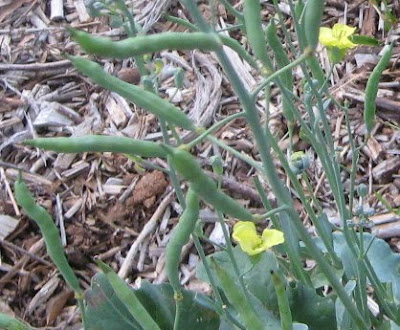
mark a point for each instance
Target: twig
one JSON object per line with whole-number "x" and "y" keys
{"x": 56, "y": 10}
{"x": 147, "y": 229}
{"x": 35, "y": 66}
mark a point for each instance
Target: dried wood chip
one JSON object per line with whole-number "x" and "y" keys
{"x": 7, "y": 225}
{"x": 383, "y": 172}
{"x": 115, "y": 106}
{"x": 43, "y": 294}
{"x": 56, "y": 304}
{"x": 77, "y": 169}
{"x": 10, "y": 8}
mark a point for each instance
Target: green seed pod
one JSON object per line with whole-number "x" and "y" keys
{"x": 283, "y": 302}
{"x": 371, "y": 89}
{"x": 147, "y": 100}
{"x": 49, "y": 231}
{"x": 238, "y": 299}
{"x": 254, "y": 31}
{"x": 312, "y": 21}
{"x": 99, "y": 143}
{"x": 179, "y": 238}
{"x": 142, "y": 45}
{"x": 282, "y": 60}
{"x": 204, "y": 186}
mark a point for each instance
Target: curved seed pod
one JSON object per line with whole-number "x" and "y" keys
{"x": 282, "y": 60}
{"x": 238, "y": 299}
{"x": 371, "y": 89}
{"x": 204, "y": 186}
{"x": 312, "y": 21}
{"x": 144, "y": 99}
{"x": 180, "y": 237}
{"x": 49, "y": 231}
{"x": 99, "y": 143}
{"x": 283, "y": 302}
{"x": 140, "y": 45}
{"x": 254, "y": 31}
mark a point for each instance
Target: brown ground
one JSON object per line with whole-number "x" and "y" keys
{"x": 103, "y": 202}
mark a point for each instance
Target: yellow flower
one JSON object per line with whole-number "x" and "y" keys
{"x": 337, "y": 37}
{"x": 244, "y": 232}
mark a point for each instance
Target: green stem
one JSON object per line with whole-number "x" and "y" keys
{"x": 236, "y": 153}
{"x": 172, "y": 173}
{"x": 273, "y": 212}
{"x": 277, "y": 73}
{"x": 213, "y": 128}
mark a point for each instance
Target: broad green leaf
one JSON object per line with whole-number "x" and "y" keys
{"x": 160, "y": 304}
{"x": 308, "y": 307}
{"x": 343, "y": 317}
{"x": 254, "y": 270}
{"x": 104, "y": 310}
{"x": 384, "y": 261}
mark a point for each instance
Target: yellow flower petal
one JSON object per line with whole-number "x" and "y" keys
{"x": 337, "y": 37}
{"x": 244, "y": 233}
{"x": 272, "y": 237}
{"x": 326, "y": 37}
{"x": 342, "y": 30}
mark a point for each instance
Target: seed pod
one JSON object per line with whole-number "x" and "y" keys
{"x": 254, "y": 31}
{"x": 99, "y": 143}
{"x": 312, "y": 21}
{"x": 141, "y": 45}
{"x": 49, "y": 231}
{"x": 238, "y": 299}
{"x": 147, "y": 100}
{"x": 179, "y": 238}
{"x": 371, "y": 89}
{"x": 282, "y": 60}
{"x": 283, "y": 302}
{"x": 204, "y": 186}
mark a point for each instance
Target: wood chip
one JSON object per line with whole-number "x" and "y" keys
{"x": 383, "y": 172}
{"x": 7, "y": 225}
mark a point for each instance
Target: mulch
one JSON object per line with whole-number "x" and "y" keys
{"x": 110, "y": 206}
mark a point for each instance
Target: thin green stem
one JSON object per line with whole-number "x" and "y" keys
{"x": 232, "y": 10}
{"x": 181, "y": 21}
{"x": 132, "y": 33}
{"x": 172, "y": 173}
{"x": 277, "y": 73}
{"x": 213, "y": 128}
{"x": 273, "y": 212}
{"x": 246, "y": 159}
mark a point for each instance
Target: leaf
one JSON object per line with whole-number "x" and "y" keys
{"x": 363, "y": 40}
{"x": 128, "y": 297}
{"x": 160, "y": 304}
{"x": 255, "y": 271}
{"x": 310, "y": 308}
{"x": 343, "y": 317}
{"x": 104, "y": 310}
{"x": 257, "y": 278}
{"x": 384, "y": 261}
